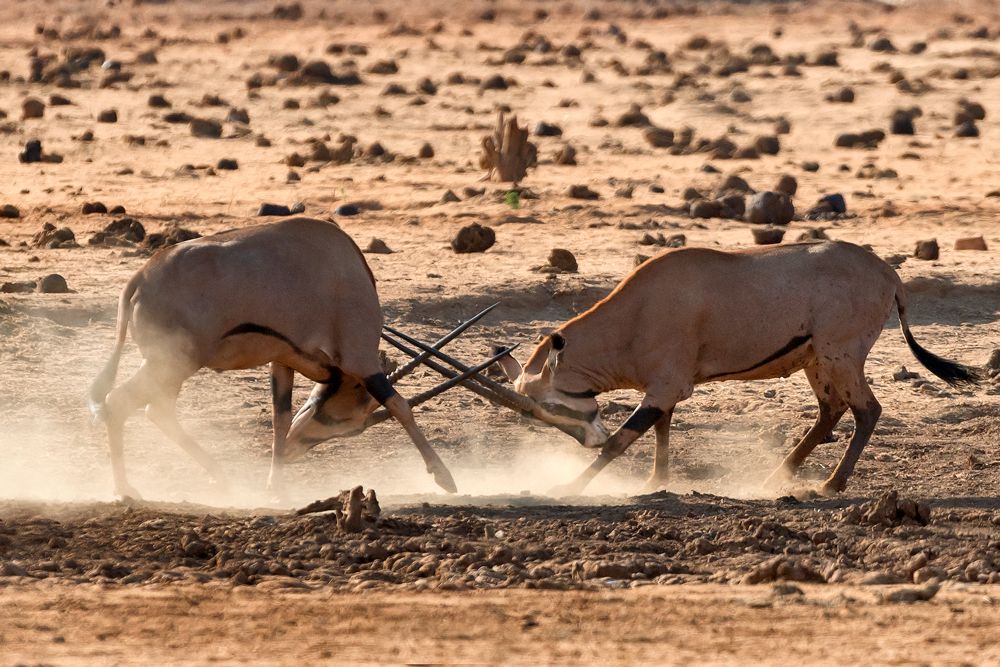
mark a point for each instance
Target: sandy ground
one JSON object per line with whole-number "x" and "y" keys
{"x": 933, "y": 445}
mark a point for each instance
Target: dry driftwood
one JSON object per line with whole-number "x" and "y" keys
{"x": 507, "y": 154}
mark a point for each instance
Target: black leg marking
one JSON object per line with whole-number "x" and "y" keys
{"x": 794, "y": 343}
{"x": 643, "y": 418}
{"x": 378, "y": 386}
{"x": 282, "y": 400}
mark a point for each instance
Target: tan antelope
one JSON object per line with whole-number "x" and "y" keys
{"x": 297, "y": 295}
{"x": 695, "y": 315}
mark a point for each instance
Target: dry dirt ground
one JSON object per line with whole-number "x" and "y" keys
{"x": 715, "y": 570}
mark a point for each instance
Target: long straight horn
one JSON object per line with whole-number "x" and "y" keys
{"x": 407, "y": 368}
{"x": 501, "y": 395}
{"x": 382, "y": 415}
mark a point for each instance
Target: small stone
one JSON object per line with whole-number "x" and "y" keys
{"x": 57, "y": 100}
{"x": 426, "y": 151}
{"x": 787, "y": 185}
{"x": 377, "y": 247}
{"x": 32, "y": 108}
{"x": 297, "y": 208}
{"x": 901, "y": 122}
{"x": 108, "y": 116}
{"x": 238, "y": 116}
{"x": 158, "y": 102}
{"x": 544, "y": 129}
{"x": 705, "y": 208}
{"x": 844, "y": 95}
{"x": 273, "y": 210}
{"x": 965, "y": 243}
{"x": 770, "y": 208}
{"x": 658, "y": 137}
{"x": 927, "y": 250}
{"x": 581, "y": 192}
{"x": 9, "y": 211}
{"x": 201, "y": 127}
{"x": 91, "y": 207}
{"x": 53, "y": 284}
{"x": 227, "y": 164}
{"x": 767, "y": 145}
{"x": 566, "y": 156}
{"x": 32, "y": 152}
{"x": 967, "y": 130}
{"x": 902, "y": 374}
{"x": 634, "y": 117}
{"x": 473, "y": 238}
{"x": 563, "y": 260}
{"x": 347, "y": 210}
{"x": 449, "y": 197}
{"x": 767, "y": 235}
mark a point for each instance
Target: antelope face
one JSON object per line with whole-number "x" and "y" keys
{"x": 573, "y": 410}
{"x": 333, "y": 410}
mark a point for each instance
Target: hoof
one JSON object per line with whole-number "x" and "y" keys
{"x": 128, "y": 495}
{"x": 831, "y": 488}
{"x": 445, "y": 480}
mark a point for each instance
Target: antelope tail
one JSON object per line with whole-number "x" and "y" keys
{"x": 955, "y": 374}
{"x": 105, "y": 380}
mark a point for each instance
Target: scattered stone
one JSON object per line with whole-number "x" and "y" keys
{"x": 53, "y": 284}
{"x": 227, "y": 164}
{"x": 236, "y": 115}
{"x": 844, "y": 95}
{"x": 767, "y": 235}
{"x": 966, "y": 243}
{"x": 108, "y": 116}
{"x": 57, "y": 100}
{"x": 770, "y": 208}
{"x": 273, "y": 210}
{"x": 827, "y": 207}
{"x": 32, "y": 107}
{"x": 347, "y": 210}
{"x": 449, "y": 197}
{"x": 297, "y": 208}
{"x": 473, "y": 238}
{"x": 543, "y": 129}
{"x": 927, "y": 250}
{"x": 787, "y": 185}
{"x": 169, "y": 237}
{"x": 158, "y": 102}
{"x": 658, "y": 137}
{"x": 566, "y": 155}
{"x": 901, "y": 122}
{"x": 581, "y": 192}
{"x": 92, "y": 207}
{"x": 767, "y": 145}
{"x": 201, "y": 127}
{"x": 967, "y": 130}
{"x": 9, "y": 211}
{"x": 51, "y": 237}
{"x": 563, "y": 260}
{"x": 869, "y": 139}
{"x": 377, "y": 247}
{"x": 634, "y": 117}
{"x": 705, "y": 208}
{"x": 32, "y": 152}
{"x": 426, "y": 151}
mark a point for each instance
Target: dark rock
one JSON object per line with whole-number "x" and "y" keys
{"x": 734, "y": 182}
{"x": 51, "y": 237}
{"x": 562, "y": 260}
{"x": 767, "y": 235}
{"x": 32, "y": 107}
{"x": 202, "y": 127}
{"x": 927, "y": 250}
{"x": 273, "y": 210}
{"x": 770, "y": 208}
{"x": 347, "y": 210}
{"x": 108, "y": 116}
{"x": 967, "y": 130}
{"x": 582, "y": 192}
{"x": 286, "y": 62}
{"x": 227, "y": 164}
{"x": 57, "y": 100}
{"x": 377, "y": 247}
{"x": 767, "y": 145}
{"x": 169, "y": 237}
{"x": 9, "y": 211}
{"x": 544, "y": 129}
{"x": 449, "y": 197}
{"x": 92, "y": 207}
{"x": 901, "y": 122}
{"x": 566, "y": 155}
{"x": 32, "y": 152}
{"x": 869, "y": 139}
{"x": 495, "y": 82}
{"x": 658, "y": 137}
{"x": 882, "y": 45}
{"x": 426, "y": 151}
{"x": 177, "y": 117}
{"x": 787, "y": 184}
{"x": 634, "y": 117}
{"x": 158, "y": 102}
{"x": 844, "y": 95}
{"x": 297, "y": 208}
{"x": 473, "y": 238}
{"x": 53, "y": 284}
{"x": 238, "y": 116}
{"x": 705, "y": 208}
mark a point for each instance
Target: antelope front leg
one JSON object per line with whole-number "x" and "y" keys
{"x": 638, "y": 423}
{"x": 661, "y": 458}
{"x": 282, "y": 381}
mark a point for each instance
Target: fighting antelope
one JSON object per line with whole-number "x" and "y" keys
{"x": 297, "y": 295}
{"x": 691, "y": 316}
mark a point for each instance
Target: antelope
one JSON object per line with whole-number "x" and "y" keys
{"x": 297, "y": 295}
{"x": 694, "y": 315}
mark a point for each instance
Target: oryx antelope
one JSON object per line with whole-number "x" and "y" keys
{"x": 695, "y": 315}
{"x": 296, "y": 294}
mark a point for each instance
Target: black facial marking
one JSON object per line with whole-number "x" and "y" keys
{"x": 378, "y": 386}
{"x": 640, "y": 420}
{"x": 794, "y": 343}
{"x": 587, "y": 393}
{"x": 563, "y": 411}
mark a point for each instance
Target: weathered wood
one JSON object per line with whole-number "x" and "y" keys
{"x": 507, "y": 154}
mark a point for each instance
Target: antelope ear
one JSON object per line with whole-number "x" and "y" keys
{"x": 510, "y": 366}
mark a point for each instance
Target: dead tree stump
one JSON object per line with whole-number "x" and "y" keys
{"x": 507, "y": 154}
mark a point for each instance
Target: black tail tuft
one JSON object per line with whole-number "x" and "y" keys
{"x": 951, "y": 372}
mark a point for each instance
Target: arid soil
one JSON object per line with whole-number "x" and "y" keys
{"x": 714, "y": 570}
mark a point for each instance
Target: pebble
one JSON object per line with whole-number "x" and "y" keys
{"x": 273, "y": 210}
{"x": 347, "y": 210}
{"x": 473, "y": 238}
{"x": 227, "y": 164}
{"x": 201, "y": 127}
{"x": 32, "y": 107}
{"x": 927, "y": 250}
{"x": 968, "y": 243}
{"x": 53, "y": 284}
{"x": 581, "y": 192}
{"x": 108, "y": 116}
{"x": 9, "y": 211}
{"x": 770, "y": 208}
{"x": 377, "y": 247}
{"x": 563, "y": 260}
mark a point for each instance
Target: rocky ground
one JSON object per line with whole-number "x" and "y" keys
{"x": 127, "y": 127}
